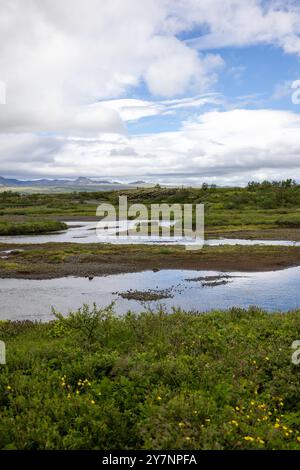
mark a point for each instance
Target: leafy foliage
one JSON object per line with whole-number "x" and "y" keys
{"x": 184, "y": 380}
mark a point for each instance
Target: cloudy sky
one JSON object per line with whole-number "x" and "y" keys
{"x": 177, "y": 91}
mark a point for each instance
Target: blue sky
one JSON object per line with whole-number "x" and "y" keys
{"x": 175, "y": 91}
{"x": 254, "y": 77}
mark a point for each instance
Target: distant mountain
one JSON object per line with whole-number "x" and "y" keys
{"x": 9, "y": 182}
{"x": 82, "y": 181}
{"x": 138, "y": 182}
{"x": 41, "y": 182}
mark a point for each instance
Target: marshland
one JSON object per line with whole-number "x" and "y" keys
{"x": 108, "y": 343}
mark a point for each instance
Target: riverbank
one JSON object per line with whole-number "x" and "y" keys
{"x": 52, "y": 260}
{"x": 223, "y": 380}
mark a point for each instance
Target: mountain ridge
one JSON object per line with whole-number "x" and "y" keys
{"x": 80, "y": 181}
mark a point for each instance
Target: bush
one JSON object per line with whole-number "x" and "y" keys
{"x": 222, "y": 380}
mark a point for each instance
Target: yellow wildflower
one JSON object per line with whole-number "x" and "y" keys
{"x": 234, "y": 422}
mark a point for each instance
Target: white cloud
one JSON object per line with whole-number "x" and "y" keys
{"x": 123, "y": 152}
{"x": 131, "y": 109}
{"x": 242, "y": 23}
{"x": 59, "y": 56}
{"x": 70, "y": 66}
{"x": 178, "y": 67}
{"x": 236, "y": 145}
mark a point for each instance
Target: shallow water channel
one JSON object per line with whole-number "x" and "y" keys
{"x": 85, "y": 232}
{"x": 191, "y": 290}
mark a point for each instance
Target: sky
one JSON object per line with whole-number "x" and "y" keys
{"x": 166, "y": 91}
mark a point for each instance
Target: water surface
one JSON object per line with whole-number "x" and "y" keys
{"x": 32, "y": 299}
{"x": 85, "y": 232}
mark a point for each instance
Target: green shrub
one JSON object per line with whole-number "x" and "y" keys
{"x": 222, "y": 380}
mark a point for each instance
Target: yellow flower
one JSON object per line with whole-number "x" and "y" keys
{"x": 234, "y": 422}
{"x": 92, "y": 402}
{"x": 260, "y": 441}
{"x": 298, "y": 438}
{"x": 181, "y": 424}
{"x": 277, "y": 425}
{"x": 187, "y": 438}
{"x": 249, "y": 438}
{"x": 158, "y": 398}
{"x": 8, "y": 387}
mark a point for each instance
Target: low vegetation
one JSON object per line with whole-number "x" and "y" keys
{"x": 52, "y": 260}
{"x": 223, "y": 380}
{"x": 33, "y": 227}
{"x": 258, "y": 205}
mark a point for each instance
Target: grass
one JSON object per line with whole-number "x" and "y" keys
{"x": 223, "y": 380}
{"x": 32, "y": 227}
{"x": 65, "y": 259}
{"x": 261, "y": 206}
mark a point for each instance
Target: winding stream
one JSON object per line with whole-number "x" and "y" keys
{"x": 85, "y": 232}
